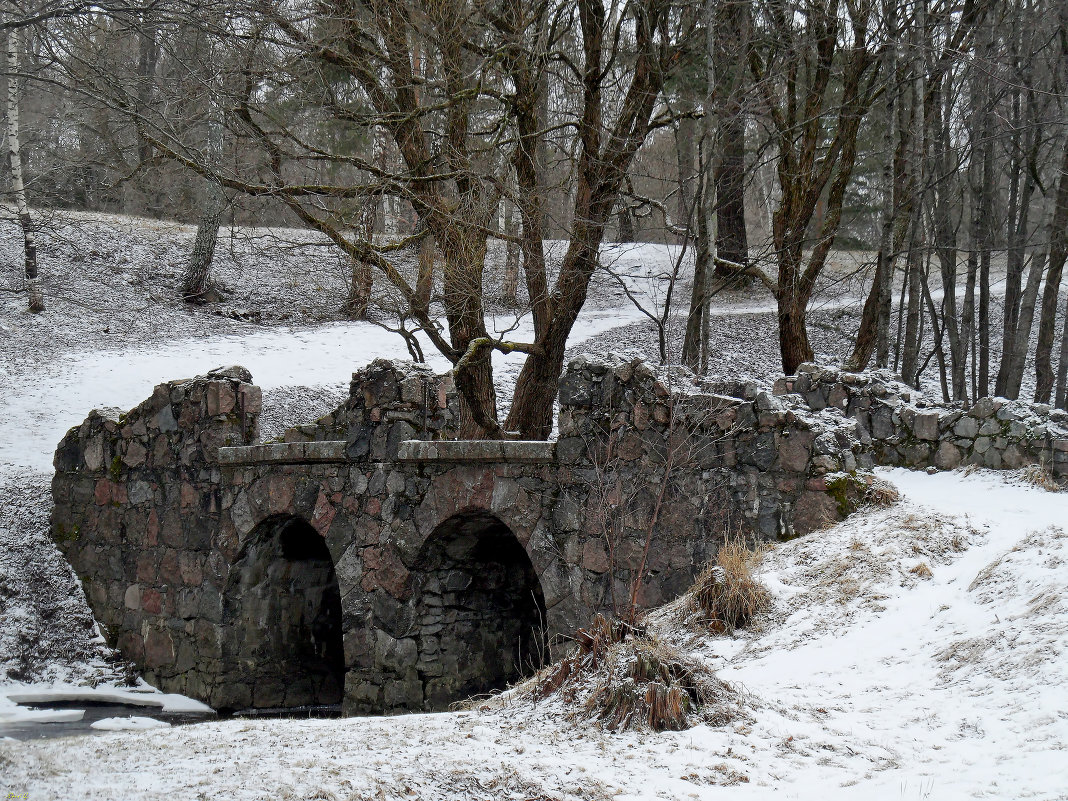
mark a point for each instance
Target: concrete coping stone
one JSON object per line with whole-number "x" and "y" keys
{"x": 476, "y": 450}
{"x": 285, "y": 452}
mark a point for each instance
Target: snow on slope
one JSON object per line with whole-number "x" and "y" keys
{"x": 873, "y": 678}
{"x": 58, "y": 395}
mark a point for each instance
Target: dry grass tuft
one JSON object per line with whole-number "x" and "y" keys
{"x": 1041, "y": 476}
{"x": 921, "y": 571}
{"x": 727, "y": 593}
{"x": 881, "y": 493}
{"x": 625, "y": 678}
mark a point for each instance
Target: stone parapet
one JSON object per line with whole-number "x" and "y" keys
{"x": 511, "y": 451}
{"x": 286, "y": 453}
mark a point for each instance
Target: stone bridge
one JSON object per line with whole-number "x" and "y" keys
{"x": 371, "y": 559}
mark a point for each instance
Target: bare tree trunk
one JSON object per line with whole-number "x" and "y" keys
{"x": 913, "y": 315}
{"x": 911, "y": 350}
{"x": 361, "y": 279}
{"x": 1058, "y": 253}
{"x": 694, "y": 342}
{"x": 1062, "y": 364}
{"x": 729, "y": 30}
{"x": 873, "y": 330}
{"x": 942, "y": 197}
{"x": 901, "y": 202}
{"x": 510, "y": 280}
{"x": 939, "y": 331}
{"x": 197, "y": 279}
{"x": 35, "y": 297}
{"x": 147, "y": 57}
{"x": 977, "y": 127}
{"x": 1024, "y": 142}
{"x": 984, "y": 211}
{"x": 793, "y": 332}
{"x": 625, "y": 222}
{"x": 685, "y": 135}
{"x": 1018, "y": 357}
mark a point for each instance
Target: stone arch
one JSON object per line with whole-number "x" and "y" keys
{"x": 478, "y": 611}
{"x": 282, "y": 622}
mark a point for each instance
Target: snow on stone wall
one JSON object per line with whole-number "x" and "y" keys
{"x": 902, "y": 428}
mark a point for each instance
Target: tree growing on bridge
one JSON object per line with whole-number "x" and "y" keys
{"x": 448, "y": 86}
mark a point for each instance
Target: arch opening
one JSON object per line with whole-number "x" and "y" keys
{"x": 282, "y": 616}
{"x": 479, "y": 614}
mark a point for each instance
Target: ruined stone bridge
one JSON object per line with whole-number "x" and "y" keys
{"x": 373, "y": 560}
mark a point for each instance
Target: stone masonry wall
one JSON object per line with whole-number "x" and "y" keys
{"x": 137, "y": 513}
{"x": 903, "y": 428}
{"x": 774, "y": 466}
{"x": 162, "y": 514}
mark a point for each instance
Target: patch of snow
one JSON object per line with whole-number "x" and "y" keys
{"x": 132, "y": 723}
{"x": 19, "y": 714}
{"x": 144, "y": 695}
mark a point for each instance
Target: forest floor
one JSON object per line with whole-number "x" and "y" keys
{"x": 823, "y": 715}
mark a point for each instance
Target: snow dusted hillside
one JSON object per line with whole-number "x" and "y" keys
{"x": 919, "y": 651}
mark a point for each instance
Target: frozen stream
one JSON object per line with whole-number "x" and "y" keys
{"x": 95, "y": 718}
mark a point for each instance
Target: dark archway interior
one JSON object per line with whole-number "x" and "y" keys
{"x": 480, "y": 613}
{"x": 283, "y": 616}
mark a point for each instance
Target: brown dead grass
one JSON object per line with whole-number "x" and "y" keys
{"x": 1041, "y": 476}
{"x": 625, "y": 678}
{"x": 921, "y": 571}
{"x": 727, "y": 593}
{"x": 881, "y": 493}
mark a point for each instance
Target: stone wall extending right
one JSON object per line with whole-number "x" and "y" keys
{"x": 902, "y": 428}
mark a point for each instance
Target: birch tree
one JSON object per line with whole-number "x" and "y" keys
{"x": 34, "y": 294}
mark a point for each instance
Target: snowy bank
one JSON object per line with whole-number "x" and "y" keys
{"x": 873, "y": 678}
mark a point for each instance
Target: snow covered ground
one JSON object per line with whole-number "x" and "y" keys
{"x": 873, "y": 678}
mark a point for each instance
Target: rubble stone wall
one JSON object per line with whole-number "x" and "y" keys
{"x": 165, "y": 513}
{"x": 902, "y": 428}
{"x": 138, "y": 511}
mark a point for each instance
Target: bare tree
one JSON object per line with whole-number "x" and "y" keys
{"x": 472, "y": 85}
{"x": 1058, "y": 254}
{"x": 730, "y": 42}
{"x": 816, "y": 75}
{"x": 34, "y": 295}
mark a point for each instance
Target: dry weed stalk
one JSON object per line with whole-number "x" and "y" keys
{"x": 727, "y": 593}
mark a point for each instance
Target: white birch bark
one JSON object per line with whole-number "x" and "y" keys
{"x": 35, "y": 296}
